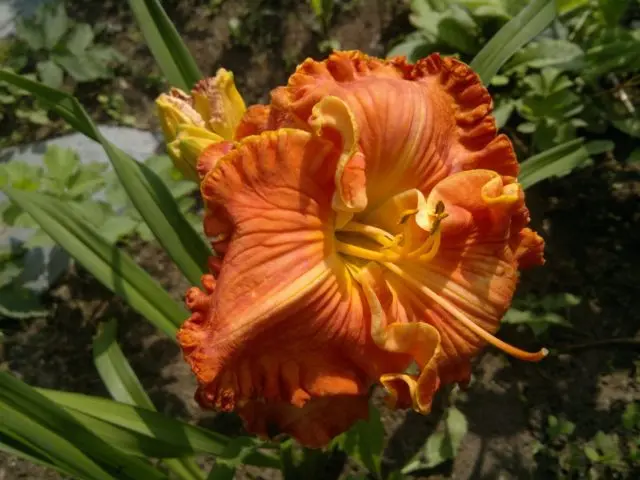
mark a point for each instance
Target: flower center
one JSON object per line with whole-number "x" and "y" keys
{"x": 368, "y": 242}
{"x": 360, "y": 241}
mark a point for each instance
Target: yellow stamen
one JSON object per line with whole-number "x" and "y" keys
{"x": 408, "y": 238}
{"x": 431, "y": 248}
{"x": 460, "y": 316}
{"x": 404, "y": 216}
{"x": 379, "y": 235}
{"x": 360, "y": 252}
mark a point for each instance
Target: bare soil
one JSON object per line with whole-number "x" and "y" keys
{"x": 589, "y": 219}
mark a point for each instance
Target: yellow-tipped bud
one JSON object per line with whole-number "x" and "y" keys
{"x": 191, "y": 123}
{"x": 218, "y": 102}
{"x": 185, "y": 149}
{"x": 175, "y": 109}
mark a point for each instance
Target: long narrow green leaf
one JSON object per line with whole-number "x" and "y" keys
{"x": 522, "y": 28}
{"x": 165, "y": 43}
{"x": 147, "y": 192}
{"x": 114, "y": 369}
{"x": 559, "y": 161}
{"x": 153, "y": 424}
{"x": 49, "y": 447}
{"x": 41, "y": 410}
{"x": 114, "y": 268}
{"x": 124, "y": 386}
{"x": 18, "y": 448}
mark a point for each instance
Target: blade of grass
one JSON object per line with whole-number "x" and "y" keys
{"x": 153, "y": 424}
{"x": 165, "y": 43}
{"x": 147, "y": 192}
{"x": 114, "y": 268}
{"x": 522, "y": 28}
{"x": 124, "y": 386}
{"x": 20, "y": 397}
{"x": 51, "y": 449}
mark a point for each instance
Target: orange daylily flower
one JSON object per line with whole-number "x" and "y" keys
{"x": 367, "y": 220}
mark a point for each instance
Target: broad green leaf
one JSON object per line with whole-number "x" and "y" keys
{"x": 441, "y": 446}
{"x": 522, "y": 28}
{"x": 591, "y": 453}
{"x": 105, "y": 55}
{"x": 54, "y": 23}
{"x": 613, "y": 10}
{"x": 237, "y": 452}
{"x": 21, "y": 175}
{"x": 147, "y": 192}
{"x": 80, "y": 38}
{"x": 52, "y": 448}
{"x": 16, "y": 217}
{"x": 30, "y": 33}
{"x": 48, "y": 414}
{"x": 62, "y": 163}
{"x": 114, "y": 268}
{"x": 557, "y": 427}
{"x": 365, "y": 442}
{"x": 37, "y": 116}
{"x": 162, "y": 38}
{"x": 407, "y": 47}
{"x": 153, "y": 424}
{"x": 93, "y": 212}
{"x": 83, "y": 67}
{"x": 117, "y": 227}
{"x": 548, "y": 52}
{"x": 87, "y": 181}
{"x": 559, "y": 161}
{"x": 40, "y": 239}
{"x": 456, "y": 428}
{"x": 50, "y": 73}
{"x": 502, "y": 112}
{"x": 20, "y": 303}
{"x": 630, "y": 126}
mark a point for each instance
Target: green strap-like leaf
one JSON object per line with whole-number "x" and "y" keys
{"x": 20, "y": 449}
{"x": 559, "y": 161}
{"x": 114, "y": 268}
{"x": 124, "y": 386}
{"x": 42, "y": 411}
{"x": 165, "y": 43}
{"x": 522, "y": 28}
{"x": 114, "y": 369}
{"x": 22, "y": 436}
{"x": 147, "y": 192}
{"x": 153, "y": 424}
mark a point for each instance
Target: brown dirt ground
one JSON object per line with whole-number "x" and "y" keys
{"x": 589, "y": 219}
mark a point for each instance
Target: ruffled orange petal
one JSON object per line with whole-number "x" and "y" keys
{"x": 284, "y": 323}
{"x": 254, "y": 121}
{"x": 314, "y": 425}
{"x": 416, "y": 124}
{"x": 457, "y": 293}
